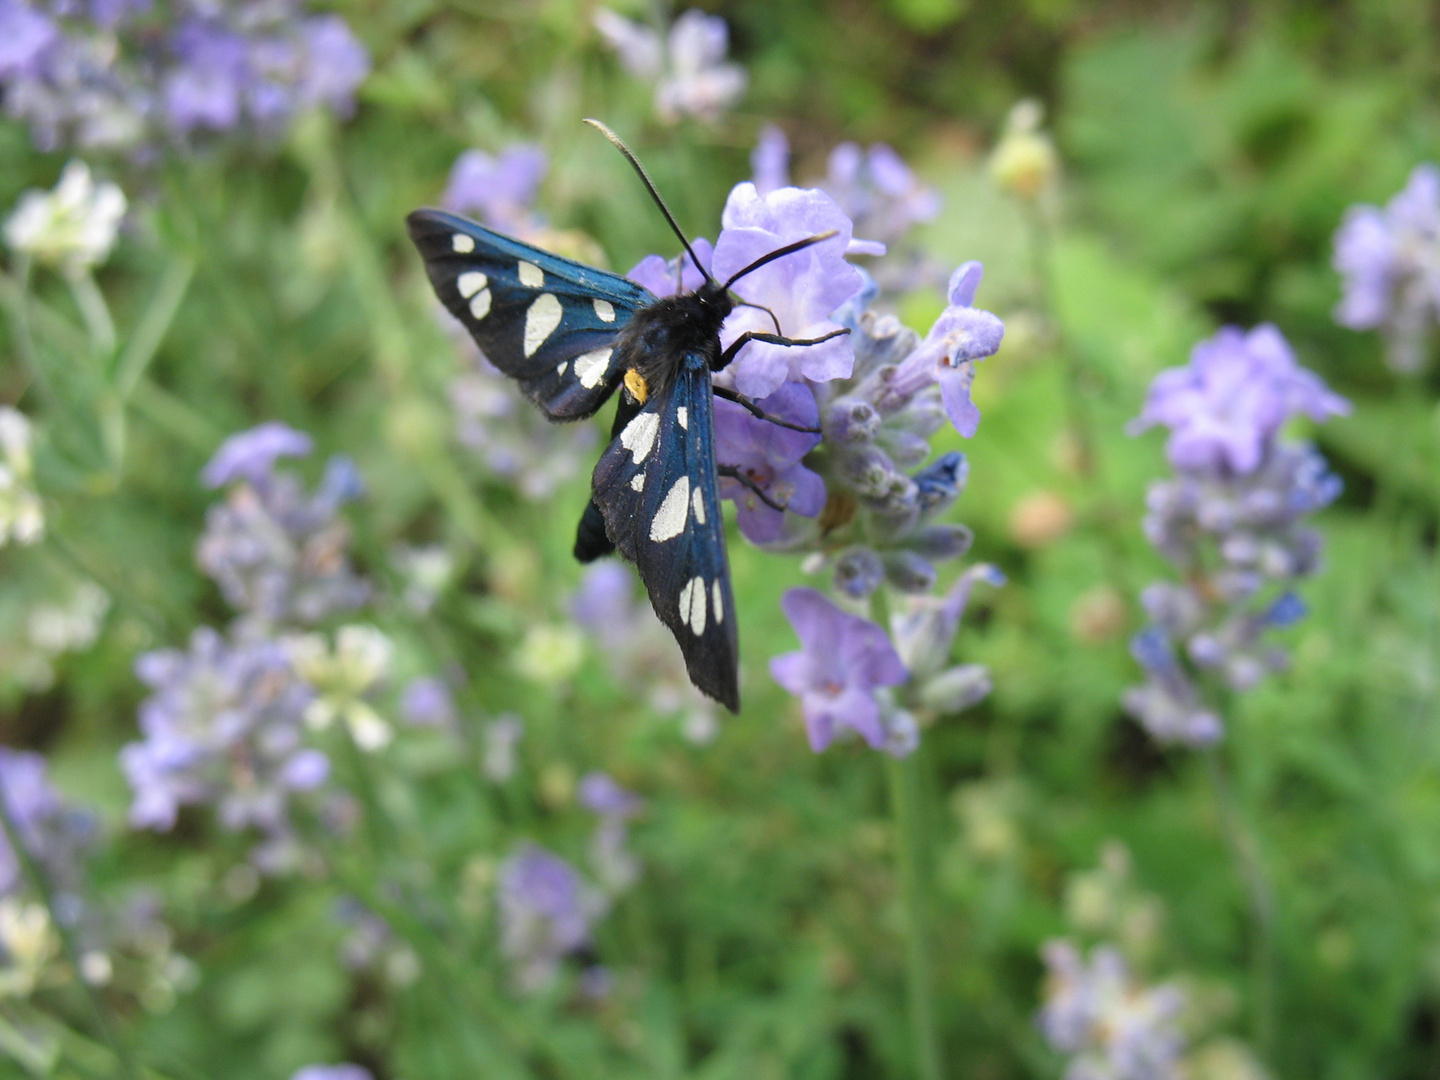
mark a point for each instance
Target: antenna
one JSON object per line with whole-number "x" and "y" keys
{"x": 788, "y": 249}
{"x": 650, "y": 186}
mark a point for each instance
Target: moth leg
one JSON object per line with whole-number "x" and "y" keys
{"x": 761, "y": 307}
{"x": 745, "y": 481}
{"x": 591, "y": 540}
{"x": 770, "y": 339}
{"x": 759, "y": 413}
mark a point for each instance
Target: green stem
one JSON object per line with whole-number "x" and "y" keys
{"x": 1261, "y": 899}
{"x": 145, "y": 342}
{"x": 96, "y": 313}
{"x": 125, "y": 1067}
{"x": 915, "y": 852}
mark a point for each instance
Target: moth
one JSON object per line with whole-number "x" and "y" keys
{"x": 572, "y": 336}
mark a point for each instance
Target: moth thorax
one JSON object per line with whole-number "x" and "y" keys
{"x": 635, "y": 383}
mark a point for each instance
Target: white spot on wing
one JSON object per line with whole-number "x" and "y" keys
{"x": 639, "y": 435}
{"x": 716, "y": 602}
{"x": 682, "y": 414}
{"x": 697, "y": 502}
{"x": 471, "y": 282}
{"x": 480, "y": 306}
{"x": 560, "y": 367}
{"x": 540, "y": 321}
{"x": 604, "y": 310}
{"x": 669, "y": 521}
{"x": 637, "y": 482}
{"x": 462, "y": 243}
{"x": 696, "y": 589}
{"x": 591, "y": 367}
{"x": 685, "y": 593}
{"x": 531, "y": 275}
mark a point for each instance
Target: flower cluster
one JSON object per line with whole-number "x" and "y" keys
{"x": 278, "y": 554}
{"x": 855, "y": 490}
{"x": 54, "y": 833}
{"x": 72, "y": 226}
{"x": 1390, "y": 261}
{"x": 1113, "y": 1026}
{"x": 687, "y": 65}
{"x": 21, "y": 517}
{"x": 224, "y": 724}
{"x": 128, "y": 75}
{"x": 546, "y": 911}
{"x": 499, "y": 190}
{"x": 1232, "y": 521}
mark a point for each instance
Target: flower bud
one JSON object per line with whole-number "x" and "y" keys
{"x": 859, "y": 572}
{"x": 956, "y": 688}
{"x": 908, "y": 572}
{"x": 944, "y": 541}
{"x": 851, "y": 420}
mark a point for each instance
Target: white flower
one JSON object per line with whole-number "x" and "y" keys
{"x": 688, "y": 67}
{"x": 72, "y": 226}
{"x": 21, "y": 518}
{"x": 342, "y": 677}
{"x": 27, "y": 942}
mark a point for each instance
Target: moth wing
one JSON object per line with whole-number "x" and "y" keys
{"x": 548, "y": 322}
{"x": 656, "y": 486}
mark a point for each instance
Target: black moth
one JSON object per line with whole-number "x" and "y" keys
{"x": 570, "y": 335}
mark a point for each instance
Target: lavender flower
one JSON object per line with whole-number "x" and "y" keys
{"x": 614, "y": 864}
{"x": 105, "y": 76}
{"x": 688, "y": 67}
{"x": 1226, "y": 407}
{"x": 1113, "y": 1027}
{"x": 53, "y": 832}
{"x": 770, "y": 160}
{"x": 769, "y": 456}
{"x": 878, "y": 191}
{"x": 499, "y": 190}
{"x": 1232, "y": 521}
{"x": 803, "y": 289}
{"x": 277, "y": 554}
{"x": 843, "y": 660}
{"x": 501, "y": 736}
{"x": 333, "y": 1072}
{"x": 1390, "y": 261}
{"x": 427, "y": 702}
{"x": 546, "y": 911}
{"x": 223, "y": 725}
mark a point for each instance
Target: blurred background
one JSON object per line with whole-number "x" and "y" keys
{"x": 390, "y": 584}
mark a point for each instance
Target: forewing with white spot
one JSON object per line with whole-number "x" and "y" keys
{"x": 656, "y": 487}
{"x": 546, "y": 321}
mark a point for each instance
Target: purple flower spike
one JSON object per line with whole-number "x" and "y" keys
{"x": 802, "y": 289}
{"x": 843, "y": 661}
{"x": 545, "y": 914}
{"x": 961, "y": 335}
{"x": 251, "y": 455}
{"x": 499, "y": 190}
{"x": 600, "y": 794}
{"x": 769, "y": 455}
{"x": 666, "y": 277}
{"x": 1226, "y": 407}
{"x": 25, "y": 34}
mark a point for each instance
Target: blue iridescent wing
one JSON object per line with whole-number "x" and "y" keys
{"x": 548, "y": 322}
{"x": 656, "y": 486}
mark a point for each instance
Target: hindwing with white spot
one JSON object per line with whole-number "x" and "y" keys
{"x": 656, "y": 486}
{"x": 546, "y": 321}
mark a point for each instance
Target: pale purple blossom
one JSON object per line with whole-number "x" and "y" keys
{"x": 962, "y": 335}
{"x": 769, "y": 456}
{"x": 251, "y": 455}
{"x": 278, "y": 554}
{"x": 844, "y": 659}
{"x": 688, "y": 65}
{"x": 502, "y": 735}
{"x": 879, "y": 192}
{"x": 770, "y": 160}
{"x": 667, "y": 277}
{"x": 1111, "y": 1026}
{"x": 802, "y": 289}
{"x": 546, "y": 912}
{"x": 1226, "y": 406}
{"x": 601, "y": 794}
{"x": 1389, "y": 259}
{"x": 498, "y": 189}
{"x": 53, "y": 832}
{"x": 224, "y": 726}
{"x": 333, "y": 1072}
{"x": 427, "y": 702}
{"x": 615, "y": 865}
